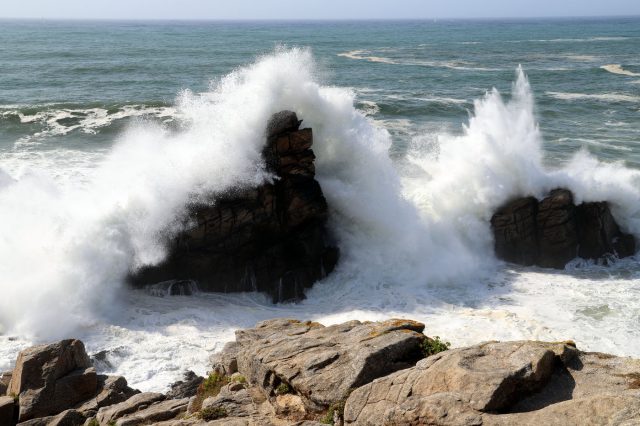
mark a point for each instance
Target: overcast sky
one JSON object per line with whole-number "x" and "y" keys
{"x": 312, "y": 9}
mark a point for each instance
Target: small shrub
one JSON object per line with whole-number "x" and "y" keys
{"x": 337, "y": 407}
{"x": 282, "y": 389}
{"x": 431, "y": 346}
{"x": 209, "y": 387}
{"x": 15, "y": 397}
{"x": 93, "y": 422}
{"x": 239, "y": 379}
{"x": 213, "y": 413}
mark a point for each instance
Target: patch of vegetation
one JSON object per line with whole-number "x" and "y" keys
{"x": 336, "y": 407}
{"x": 209, "y": 387}
{"x": 431, "y": 346}
{"x": 213, "y": 413}
{"x": 93, "y": 422}
{"x": 238, "y": 379}
{"x": 282, "y": 389}
{"x": 112, "y": 423}
{"x": 15, "y": 397}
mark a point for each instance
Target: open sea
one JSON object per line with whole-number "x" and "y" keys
{"x": 422, "y": 129}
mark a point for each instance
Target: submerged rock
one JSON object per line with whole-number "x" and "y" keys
{"x": 271, "y": 239}
{"x": 554, "y": 231}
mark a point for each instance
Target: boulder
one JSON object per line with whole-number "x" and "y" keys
{"x": 322, "y": 364}
{"x": 111, "y": 390}
{"x": 66, "y": 418}
{"x": 137, "y": 402}
{"x": 51, "y": 378}
{"x": 523, "y": 383}
{"x": 156, "y": 412}
{"x": 272, "y": 238}
{"x": 553, "y": 231}
{"x": 7, "y": 411}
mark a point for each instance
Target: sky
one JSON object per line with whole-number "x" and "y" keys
{"x": 312, "y": 9}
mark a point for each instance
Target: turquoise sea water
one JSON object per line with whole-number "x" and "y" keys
{"x": 425, "y": 72}
{"x": 108, "y": 129}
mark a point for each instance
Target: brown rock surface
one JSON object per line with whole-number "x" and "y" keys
{"x": 270, "y": 239}
{"x": 322, "y": 364}
{"x": 554, "y": 231}
{"x": 51, "y": 378}
{"x": 7, "y": 410}
{"x": 507, "y": 383}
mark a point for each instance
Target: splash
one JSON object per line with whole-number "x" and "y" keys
{"x": 414, "y": 236}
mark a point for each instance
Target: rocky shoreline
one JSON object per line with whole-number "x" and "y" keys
{"x": 290, "y": 372}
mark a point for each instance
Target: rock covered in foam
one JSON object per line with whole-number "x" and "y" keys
{"x": 551, "y": 232}
{"x": 271, "y": 239}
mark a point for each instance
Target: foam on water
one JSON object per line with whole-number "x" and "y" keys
{"x": 617, "y": 69}
{"x": 414, "y": 235}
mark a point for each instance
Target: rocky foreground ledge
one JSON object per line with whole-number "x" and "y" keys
{"x": 288, "y": 372}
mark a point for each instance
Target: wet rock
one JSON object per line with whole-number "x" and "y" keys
{"x": 51, "y": 378}
{"x": 554, "y": 231}
{"x": 322, "y": 364}
{"x": 271, "y": 239}
{"x": 186, "y": 387}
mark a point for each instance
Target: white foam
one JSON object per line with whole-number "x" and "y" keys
{"x": 617, "y": 69}
{"x": 414, "y": 236}
{"x": 606, "y": 97}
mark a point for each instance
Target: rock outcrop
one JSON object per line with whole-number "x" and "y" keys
{"x": 523, "y": 383}
{"x": 551, "y": 232}
{"x": 287, "y": 372}
{"x": 271, "y": 239}
{"x": 321, "y": 363}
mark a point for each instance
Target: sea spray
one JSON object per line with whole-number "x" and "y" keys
{"x": 414, "y": 235}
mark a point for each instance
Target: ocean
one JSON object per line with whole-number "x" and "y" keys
{"x": 422, "y": 129}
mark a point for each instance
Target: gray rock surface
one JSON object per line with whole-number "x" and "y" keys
{"x": 131, "y": 405}
{"x": 322, "y": 364}
{"x": 52, "y": 378}
{"x": 186, "y": 387}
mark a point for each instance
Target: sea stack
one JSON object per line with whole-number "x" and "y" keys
{"x": 551, "y": 232}
{"x": 271, "y": 239}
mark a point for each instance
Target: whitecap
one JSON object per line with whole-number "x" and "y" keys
{"x": 617, "y": 69}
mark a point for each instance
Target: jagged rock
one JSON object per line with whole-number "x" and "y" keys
{"x": 111, "y": 390}
{"x": 554, "y": 231}
{"x": 185, "y": 388}
{"x": 51, "y": 378}
{"x": 503, "y": 384}
{"x": 322, "y": 364}
{"x": 137, "y": 402}
{"x": 7, "y": 410}
{"x": 235, "y": 403}
{"x": 271, "y": 238}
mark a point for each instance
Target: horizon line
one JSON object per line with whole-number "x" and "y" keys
{"x": 481, "y": 18}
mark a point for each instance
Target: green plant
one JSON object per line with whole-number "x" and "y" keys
{"x": 209, "y": 387}
{"x": 93, "y": 422}
{"x": 282, "y": 389}
{"x": 431, "y": 346}
{"x": 336, "y": 407}
{"x": 15, "y": 397}
{"x": 239, "y": 379}
{"x": 213, "y": 413}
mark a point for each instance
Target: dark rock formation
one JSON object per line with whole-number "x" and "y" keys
{"x": 554, "y": 231}
{"x": 270, "y": 239}
{"x": 185, "y": 388}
